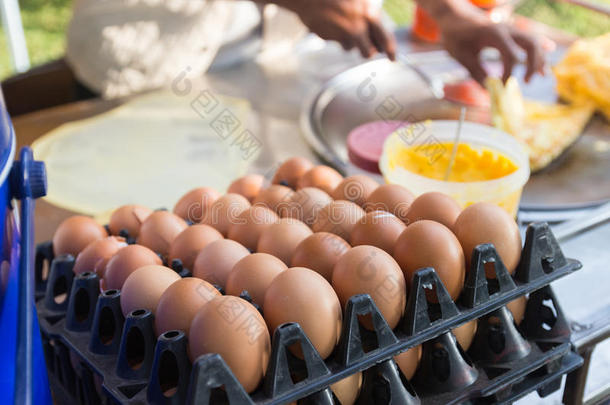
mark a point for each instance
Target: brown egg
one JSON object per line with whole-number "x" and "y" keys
{"x": 249, "y": 225}
{"x": 431, "y": 244}
{"x": 356, "y": 189}
{"x": 464, "y": 334}
{"x": 275, "y": 197}
{"x": 96, "y": 255}
{"x": 289, "y": 172}
{"x": 323, "y": 177}
{"x": 434, "y": 206}
{"x": 517, "y": 308}
{"x": 370, "y": 270}
{"x": 254, "y": 274}
{"x": 347, "y": 390}
{"x": 234, "y": 329}
{"x": 159, "y": 231}
{"x": 194, "y": 204}
{"x": 305, "y": 204}
{"x": 248, "y": 186}
{"x": 126, "y": 261}
{"x": 319, "y": 252}
{"x": 216, "y": 260}
{"x": 282, "y": 238}
{"x": 302, "y": 295}
{"x": 338, "y": 217}
{"x": 75, "y": 233}
{"x": 225, "y": 211}
{"x": 189, "y": 243}
{"x": 128, "y": 218}
{"x": 377, "y": 228}
{"x": 144, "y": 287}
{"x": 487, "y": 223}
{"x": 408, "y": 361}
{"x": 180, "y": 303}
{"x": 392, "y": 198}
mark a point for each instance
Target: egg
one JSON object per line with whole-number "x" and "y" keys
{"x": 464, "y": 334}
{"x": 217, "y": 259}
{"x": 189, "y": 243}
{"x": 347, "y": 390}
{"x": 338, "y": 217}
{"x": 434, "y": 206}
{"x": 430, "y": 244}
{"x": 275, "y": 197}
{"x": 254, "y": 274}
{"x": 370, "y": 270}
{"x": 408, "y": 361}
{"x": 323, "y": 177}
{"x": 302, "y": 295}
{"x": 96, "y": 255}
{"x": 488, "y": 223}
{"x": 180, "y": 303}
{"x": 193, "y": 205}
{"x": 289, "y": 172}
{"x": 282, "y": 238}
{"x": 125, "y": 262}
{"x": 159, "y": 230}
{"x": 249, "y": 225}
{"x": 356, "y": 189}
{"x": 305, "y": 204}
{"x": 75, "y": 233}
{"x": 144, "y": 287}
{"x": 320, "y": 252}
{"x": 234, "y": 329}
{"x": 128, "y": 218}
{"x": 517, "y": 308}
{"x": 392, "y": 198}
{"x": 377, "y": 228}
{"x": 224, "y": 211}
{"x": 248, "y": 186}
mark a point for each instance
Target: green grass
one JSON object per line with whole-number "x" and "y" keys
{"x": 567, "y": 17}
{"x": 564, "y": 16}
{"x": 45, "y": 23}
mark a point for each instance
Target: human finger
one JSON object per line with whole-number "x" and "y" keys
{"x": 535, "y": 54}
{"x": 383, "y": 41}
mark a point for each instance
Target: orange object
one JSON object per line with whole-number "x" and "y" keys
{"x": 426, "y": 29}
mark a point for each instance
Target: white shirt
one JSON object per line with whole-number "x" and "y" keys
{"x": 121, "y": 47}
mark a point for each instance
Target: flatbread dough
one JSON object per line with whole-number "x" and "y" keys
{"x": 150, "y": 151}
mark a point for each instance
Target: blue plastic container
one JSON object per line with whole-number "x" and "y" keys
{"x": 23, "y": 374}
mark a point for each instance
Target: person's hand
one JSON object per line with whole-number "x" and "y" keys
{"x": 349, "y": 22}
{"x": 465, "y": 37}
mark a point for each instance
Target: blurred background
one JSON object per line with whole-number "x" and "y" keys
{"x": 45, "y": 23}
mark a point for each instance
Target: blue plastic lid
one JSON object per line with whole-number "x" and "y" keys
{"x": 7, "y": 141}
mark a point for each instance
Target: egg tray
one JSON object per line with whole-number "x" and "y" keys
{"x": 95, "y": 355}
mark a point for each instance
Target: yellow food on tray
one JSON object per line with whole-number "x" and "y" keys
{"x": 545, "y": 129}
{"x": 584, "y": 73}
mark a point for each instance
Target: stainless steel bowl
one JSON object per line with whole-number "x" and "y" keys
{"x": 376, "y": 90}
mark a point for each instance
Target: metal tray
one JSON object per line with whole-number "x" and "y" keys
{"x": 382, "y": 90}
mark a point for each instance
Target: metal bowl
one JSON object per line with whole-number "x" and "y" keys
{"x": 376, "y": 90}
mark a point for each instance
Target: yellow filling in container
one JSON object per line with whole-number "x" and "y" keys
{"x": 490, "y": 165}
{"x": 472, "y": 163}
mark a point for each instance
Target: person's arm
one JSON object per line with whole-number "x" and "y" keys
{"x": 350, "y": 22}
{"x": 466, "y": 30}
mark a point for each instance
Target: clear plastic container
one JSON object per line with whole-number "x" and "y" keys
{"x": 504, "y": 191}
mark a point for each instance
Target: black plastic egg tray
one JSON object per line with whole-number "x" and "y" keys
{"x": 96, "y": 356}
